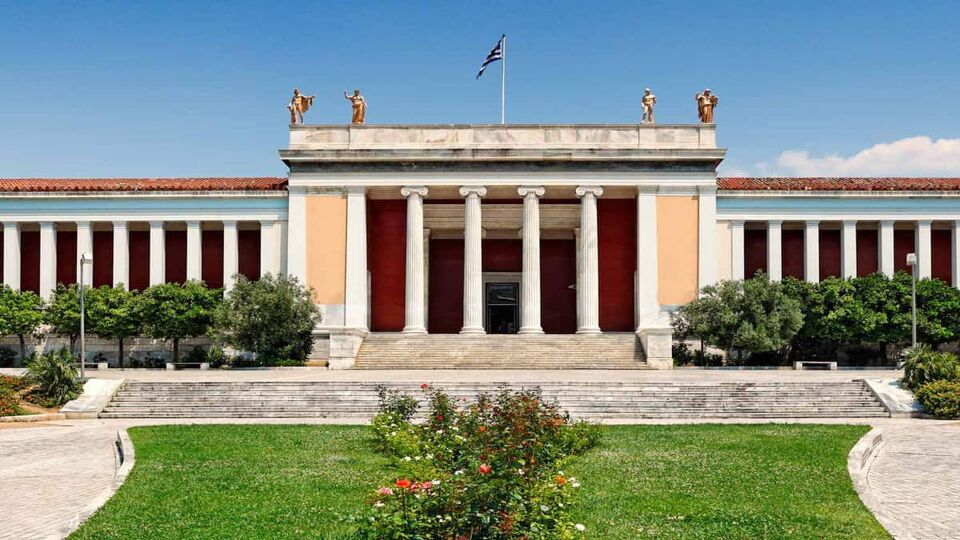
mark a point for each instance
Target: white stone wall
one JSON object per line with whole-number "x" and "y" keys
{"x": 138, "y": 348}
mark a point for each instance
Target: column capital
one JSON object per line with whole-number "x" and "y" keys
{"x": 812, "y": 222}
{"x": 924, "y": 222}
{"x": 737, "y": 223}
{"x": 479, "y": 191}
{"x": 582, "y": 191}
{"x": 193, "y": 224}
{"x": 267, "y": 222}
{"x": 849, "y": 223}
{"x": 407, "y": 191}
{"x": 774, "y": 222}
{"x": 229, "y": 223}
{"x": 156, "y": 224}
{"x": 48, "y": 225}
{"x": 82, "y": 223}
{"x": 355, "y": 190}
{"x": 887, "y": 222}
{"x": 10, "y": 224}
{"x": 533, "y": 191}
{"x": 120, "y": 224}
{"x": 707, "y": 190}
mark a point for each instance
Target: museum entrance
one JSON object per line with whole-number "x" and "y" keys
{"x": 502, "y": 302}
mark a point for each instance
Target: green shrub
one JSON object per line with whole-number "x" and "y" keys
{"x": 13, "y": 383}
{"x": 940, "y": 398}
{"x": 9, "y": 402}
{"x": 54, "y": 377}
{"x": 923, "y": 365}
{"x": 683, "y": 355}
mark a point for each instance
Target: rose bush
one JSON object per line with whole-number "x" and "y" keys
{"x": 492, "y": 469}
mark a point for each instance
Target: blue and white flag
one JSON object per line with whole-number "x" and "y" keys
{"x": 495, "y": 54}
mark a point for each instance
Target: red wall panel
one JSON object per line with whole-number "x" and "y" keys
{"x": 502, "y": 255}
{"x": 386, "y": 260}
{"x": 139, "y": 249}
{"x": 30, "y": 261}
{"x": 211, "y": 258}
{"x": 66, "y": 257}
{"x": 617, "y": 236}
{"x": 829, "y": 253}
{"x": 446, "y": 287}
{"x": 754, "y": 252}
{"x": 791, "y": 253}
{"x": 102, "y": 258}
{"x": 558, "y": 272}
{"x": 248, "y": 253}
{"x": 903, "y": 243}
{"x": 175, "y": 246}
{"x": 868, "y": 252}
{"x": 941, "y": 254}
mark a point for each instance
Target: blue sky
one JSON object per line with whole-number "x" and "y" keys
{"x": 196, "y": 89}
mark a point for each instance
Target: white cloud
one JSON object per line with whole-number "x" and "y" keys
{"x": 913, "y": 156}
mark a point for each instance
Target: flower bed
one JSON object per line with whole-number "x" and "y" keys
{"x": 492, "y": 469}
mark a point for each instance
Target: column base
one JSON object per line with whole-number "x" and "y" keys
{"x": 473, "y": 330}
{"x": 589, "y": 330}
{"x": 414, "y": 330}
{"x": 657, "y": 345}
{"x": 530, "y": 330}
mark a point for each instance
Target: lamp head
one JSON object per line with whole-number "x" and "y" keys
{"x": 911, "y": 259}
{"x": 86, "y": 258}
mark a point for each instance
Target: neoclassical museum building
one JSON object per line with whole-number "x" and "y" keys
{"x": 429, "y": 245}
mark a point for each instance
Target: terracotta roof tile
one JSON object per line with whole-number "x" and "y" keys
{"x": 838, "y": 184}
{"x": 141, "y": 184}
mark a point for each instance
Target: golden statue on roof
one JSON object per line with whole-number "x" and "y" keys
{"x": 359, "y": 107}
{"x": 706, "y": 102}
{"x": 298, "y": 105}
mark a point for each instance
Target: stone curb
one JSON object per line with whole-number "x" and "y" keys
{"x": 45, "y": 417}
{"x": 124, "y": 458}
{"x": 859, "y": 461}
{"x": 97, "y": 393}
{"x": 898, "y": 401}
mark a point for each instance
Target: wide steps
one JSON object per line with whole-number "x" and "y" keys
{"x": 588, "y": 400}
{"x": 553, "y": 351}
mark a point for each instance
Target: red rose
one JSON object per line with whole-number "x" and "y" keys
{"x": 485, "y": 469}
{"x": 403, "y": 483}
{"x": 439, "y": 418}
{"x": 424, "y": 386}
{"x": 482, "y": 429}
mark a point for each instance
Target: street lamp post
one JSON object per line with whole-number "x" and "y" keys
{"x": 85, "y": 258}
{"x": 912, "y": 263}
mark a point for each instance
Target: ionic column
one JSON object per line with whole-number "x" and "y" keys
{"x": 530, "y": 299}
{"x": 414, "y": 320}
{"x": 774, "y": 250}
{"x": 923, "y": 249}
{"x": 355, "y": 297}
{"x": 811, "y": 251}
{"x": 956, "y": 254}
{"x": 707, "y": 257}
{"x": 194, "y": 251}
{"x": 736, "y": 250}
{"x": 648, "y": 300}
{"x": 85, "y": 245}
{"x": 121, "y": 254}
{"x": 472, "y": 260}
{"x": 231, "y": 254}
{"x": 48, "y": 259}
{"x": 885, "y": 238}
{"x": 589, "y": 291}
{"x": 11, "y": 254}
{"x": 158, "y": 262}
{"x": 848, "y": 253}
{"x": 269, "y": 247}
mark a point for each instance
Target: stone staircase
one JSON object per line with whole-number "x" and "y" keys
{"x": 610, "y": 401}
{"x": 501, "y": 351}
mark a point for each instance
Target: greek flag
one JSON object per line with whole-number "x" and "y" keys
{"x": 495, "y": 54}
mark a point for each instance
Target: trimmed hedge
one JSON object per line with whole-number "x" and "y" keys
{"x": 940, "y": 398}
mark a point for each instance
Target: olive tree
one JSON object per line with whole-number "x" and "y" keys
{"x": 21, "y": 314}
{"x": 115, "y": 313}
{"x": 63, "y": 313}
{"x": 172, "y": 311}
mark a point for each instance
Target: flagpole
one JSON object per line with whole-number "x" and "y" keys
{"x": 503, "y": 80}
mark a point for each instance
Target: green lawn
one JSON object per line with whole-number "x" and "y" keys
{"x": 708, "y": 481}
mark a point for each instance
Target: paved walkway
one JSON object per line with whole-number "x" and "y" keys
{"x": 916, "y": 478}
{"x": 51, "y": 474}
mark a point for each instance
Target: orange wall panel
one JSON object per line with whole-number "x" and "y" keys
{"x": 326, "y": 225}
{"x": 677, "y": 248}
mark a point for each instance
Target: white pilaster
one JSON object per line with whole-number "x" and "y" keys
{"x": 736, "y": 250}
{"x": 811, "y": 251}
{"x": 530, "y": 299}
{"x": 775, "y": 250}
{"x": 48, "y": 259}
{"x": 194, "y": 251}
{"x": 231, "y": 254}
{"x": 269, "y": 247}
{"x": 956, "y": 254}
{"x": 11, "y": 254}
{"x": 589, "y": 292}
{"x": 414, "y": 298}
{"x": 85, "y": 245}
{"x": 355, "y": 297}
{"x": 472, "y": 260}
{"x": 297, "y": 235}
{"x": 923, "y": 245}
{"x": 707, "y": 259}
{"x": 158, "y": 263}
{"x": 648, "y": 278}
{"x": 848, "y": 253}
{"x": 885, "y": 238}
{"x": 121, "y": 254}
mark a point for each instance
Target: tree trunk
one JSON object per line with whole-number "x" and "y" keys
{"x": 73, "y": 345}
{"x": 23, "y": 349}
{"x": 120, "y": 354}
{"x": 176, "y": 350}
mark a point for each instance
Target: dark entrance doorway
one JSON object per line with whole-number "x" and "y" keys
{"x": 503, "y": 308}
